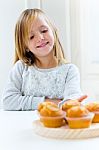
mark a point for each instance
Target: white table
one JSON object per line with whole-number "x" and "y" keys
{"x": 16, "y": 133}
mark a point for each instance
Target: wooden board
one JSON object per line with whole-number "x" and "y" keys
{"x": 65, "y": 132}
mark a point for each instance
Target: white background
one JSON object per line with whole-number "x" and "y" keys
{"x": 9, "y": 12}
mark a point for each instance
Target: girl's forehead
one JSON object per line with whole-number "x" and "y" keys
{"x": 38, "y": 22}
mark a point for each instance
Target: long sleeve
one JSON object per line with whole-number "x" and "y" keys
{"x": 13, "y": 98}
{"x": 72, "y": 86}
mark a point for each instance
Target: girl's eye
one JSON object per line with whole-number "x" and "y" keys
{"x": 31, "y": 37}
{"x": 44, "y": 31}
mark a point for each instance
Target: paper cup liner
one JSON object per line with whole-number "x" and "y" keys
{"x": 80, "y": 122}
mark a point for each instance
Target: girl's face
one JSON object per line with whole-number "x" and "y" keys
{"x": 41, "y": 38}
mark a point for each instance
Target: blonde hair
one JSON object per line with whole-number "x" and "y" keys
{"x": 22, "y": 33}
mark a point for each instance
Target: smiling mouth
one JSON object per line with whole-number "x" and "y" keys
{"x": 42, "y": 45}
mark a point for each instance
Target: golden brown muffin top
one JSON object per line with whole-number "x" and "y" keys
{"x": 93, "y": 106}
{"x": 49, "y": 109}
{"x": 43, "y": 104}
{"x": 77, "y": 111}
{"x": 70, "y": 103}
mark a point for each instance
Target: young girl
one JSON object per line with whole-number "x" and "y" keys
{"x": 40, "y": 72}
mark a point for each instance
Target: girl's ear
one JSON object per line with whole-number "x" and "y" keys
{"x": 27, "y": 50}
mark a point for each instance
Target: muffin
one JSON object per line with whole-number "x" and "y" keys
{"x": 70, "y": 103}
{"x": 94, "y": 107}
{"x": 79, "y": 117}
{"x": 50, "y": 115}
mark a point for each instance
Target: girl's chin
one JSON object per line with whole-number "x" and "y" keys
{"x": 44, "y": 52}
{"x": 42, "y": 55}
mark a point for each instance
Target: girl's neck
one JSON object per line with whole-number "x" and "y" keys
{"x": 47, "y": 63}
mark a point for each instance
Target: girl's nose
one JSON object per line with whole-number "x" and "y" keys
{"x": 40, "y": 37}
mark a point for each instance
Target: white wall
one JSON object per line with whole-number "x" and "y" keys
{"x": 90, "y": 47}
{"x": 9, "y": 12}
{"x": 84, "y": 16}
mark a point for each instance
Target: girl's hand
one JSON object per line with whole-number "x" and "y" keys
{"x": 56, "y": 101}
{"x": 82, "y": 98}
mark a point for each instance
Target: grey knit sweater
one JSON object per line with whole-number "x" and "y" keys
{"x": 28, "y": 85}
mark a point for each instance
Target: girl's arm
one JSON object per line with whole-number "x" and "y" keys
{"x": 72, "y": 86}
{"x": 13, "y": 98}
